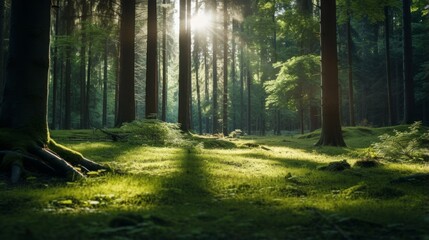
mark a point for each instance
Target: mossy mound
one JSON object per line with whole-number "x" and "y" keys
{"x": 218, "y": 144}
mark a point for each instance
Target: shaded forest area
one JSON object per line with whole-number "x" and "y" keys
{"x": 251, "y": 65}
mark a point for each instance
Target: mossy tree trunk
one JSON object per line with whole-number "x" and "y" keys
{"x": 24, "y": 134}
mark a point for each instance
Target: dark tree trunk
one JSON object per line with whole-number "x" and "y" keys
{"x": 331, "y": 128}
{"x": 55, "y": 66}
{"x": 225, "y": 70}
{"x": 183, "y": 70}
{"x": 105, "y": 78}
{"x": 206, "y": 84}
{"x": 197, "y": 75}
{"x": 152, "y": 63}
{"x": 82, "y": 55}
{"x": 68, "y": 67}
{"x": 249, "y": 99}
{"x": 408, "y": 63}
{"x": 88, "y": 87}
{"x": 164, "y": 63}
{"x": 242, "y": 87}
{"x": 126, "y": 96}
{"x": 24, "y": 139}
{"x": 189, "y": 59}
{"x": 350, "y": 72}
{"x": 388, "y": 68}
{"x": 234, "y": 77}
{"x": 2, "y": 5}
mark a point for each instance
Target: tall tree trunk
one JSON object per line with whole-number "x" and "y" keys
{"x": 331, "y": 128}
{"x": 105, "y": 78}
{"x": 126, "y": 95}
{"x": 24, "y": 139}
{"x": 189, "y": 59}
{"x": 2, "y": 8}
{"x": 88, "y": 86}
{"x": 152, "y": 62}
{"x": 350, "y": 72}
{"x": 68, "y": 67}
{"x": 183, "y": 69}
{"x": 82, "y": 55}
{"x": 164, "y": 63}
{"x": 408, "y": 63}
{"x": 197, "y": 75}
{"x": 206, "y": 84}
{"x": 249, "y": 99}
{"x": 388, "y": 68}
{"x": 55, "y": 67}
{"x": 215, "y": 123}
{"x": 242, "y": 72}
{"x": 225, "y": 69}
{"x": 233, "y": 77}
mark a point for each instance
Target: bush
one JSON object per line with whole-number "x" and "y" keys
{"x": 154, "y": 132}
{"x": 408, "y": 145}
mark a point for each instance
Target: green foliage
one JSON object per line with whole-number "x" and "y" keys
{"x": 296, "y": 83}
{"x": 408, "y": 145}
{"x": 154, "y": 132}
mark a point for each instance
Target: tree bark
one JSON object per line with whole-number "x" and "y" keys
{"x": 164, "y": 63}
{"x": 388, "y": 68}
{"x": 350, "y": 72}
{"x": 126, "y": 94}
{"x": 183, "y": 70}
{"x": 24, "y": 135}
{"x": 152, "y": 62}
{"x": 331, "y": 128}
{"x": 408, "y": 63}
{"x": 215, "y": 108}
{"x": 225, "y": 70}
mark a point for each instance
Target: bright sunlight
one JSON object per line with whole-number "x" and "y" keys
{"x": 201, "y": 21}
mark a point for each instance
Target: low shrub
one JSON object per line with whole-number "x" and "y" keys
{"x": 408, "y": 145}
{"x": 154, "y": 132}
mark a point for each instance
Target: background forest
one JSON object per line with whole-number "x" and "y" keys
{"x": 254, "y": 64}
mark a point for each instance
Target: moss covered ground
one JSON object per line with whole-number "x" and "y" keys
{"x": 246, "y": 188}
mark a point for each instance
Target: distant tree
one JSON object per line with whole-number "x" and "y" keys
{"x": 215, "y": 107}
{"x": 24, "y": 135}
{"x": 152, "y": 62}
{"x": 296, "y": 81}
{"x": 126, "y": 99}
{"x": 164, "y": 63}
{"x": 331, "y": 128}
{"x": 225, "y": 69}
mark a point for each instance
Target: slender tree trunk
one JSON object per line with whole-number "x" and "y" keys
{"x": 126, "y": 95}
{"x": 82, "y": 55}
{"x": 233, "y": 77}
{"x": 242, "y": 87}
{"x": 215, "y": 123}
{"x": 183, "y": 70}
{"x": 197, "y": 75}
{"x": 55, "y": 67}
{"x": 152, "y": 62}
{"x": 408, "y": 63}
{"x": 2, "y": 5}
{"x": 189, "y": 59}
{"x": 249, "y": 99}
{"x": 68, "y": 66}
{"x": 331, "y": 127}
{"x": 105, "y": 78}
{"x": 164, "y": 63}
{"x": 88, "y": 86}
{"x": 206, "y": 84}
{"x": 225, "y": 69}
{"x": 350, "y": 72}
{"x": 388, "y": 68}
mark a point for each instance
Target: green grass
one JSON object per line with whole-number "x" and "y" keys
{"x": 248, "y": 188}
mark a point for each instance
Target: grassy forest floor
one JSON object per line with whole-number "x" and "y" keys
{"x": 245, "y": 188}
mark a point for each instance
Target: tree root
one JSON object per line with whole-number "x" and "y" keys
{"x": 52, "y": 160}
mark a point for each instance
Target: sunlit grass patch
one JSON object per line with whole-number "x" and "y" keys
{"x": 264, "y": 188}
